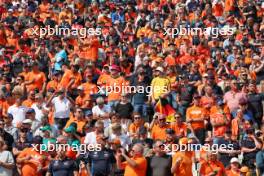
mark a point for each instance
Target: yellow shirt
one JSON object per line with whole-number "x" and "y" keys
{"x": 160, "y": 86}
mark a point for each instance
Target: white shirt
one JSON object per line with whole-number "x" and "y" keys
{"x": 124, "y": 139}
{"x": 6, "y": 157}
{"x": 19, "y": 113}
{"x": 39, "y": 113}
{"x": 62, "y": 107}
{"x": 90, "y": 138}
{"x": 102, "y": 111}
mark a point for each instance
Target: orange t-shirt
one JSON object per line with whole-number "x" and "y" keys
{"x": 134, "y": 127}
{"x": 79, "y": 101}
{"x": 28, "y": 103}
{"x": 218, "y": 9}
{"x": 30, "y": 168}
{"x": 235, "y": 125}
{"x": 180, "y": 129}
{"x": 208, "y": 167}
{"x": 207, "y": 101}
{"x": 25, "y": 75}
{"x": 39, "y": 79}
{"x": 103, "y": 79}
{"x": 159, "y": 133}
{"x": 68, "y": 75}
{"x": 3, "y": 106}
{"x": 89, "y": 88}
{"x": 195, "y": 112}
{"x": 219, "y": 116}
{"x": 140, "y": 170}
{"x": 90, "y": 49}
{"x": 171, "y": 61}
{"x": 80, "y": 123}
{"x": 52, "y": 84}
{"x": 115, "y": 83}
{"x": 229, "y": 5}
{"x": 232, "y": 173}
{"x": 185, "y": 166}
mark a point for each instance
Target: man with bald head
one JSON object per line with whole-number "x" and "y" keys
{"x": 135, "y": 165}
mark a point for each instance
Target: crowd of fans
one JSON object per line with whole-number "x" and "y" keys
{"x": 54, "y": 89}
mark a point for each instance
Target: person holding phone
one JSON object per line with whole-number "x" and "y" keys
{"x": 135, "y": 165}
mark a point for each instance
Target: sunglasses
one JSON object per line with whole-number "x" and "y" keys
{"x": 24, "y": 131}
{"x": 161, "y": 146}
{"x": 163, "y": 120}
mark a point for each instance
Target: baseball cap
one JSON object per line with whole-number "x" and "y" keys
{"x": 70, "y": 129}
{"x": 115, "y": 67}
{"x": 80, "y": 88}
{"x": 159, "y": 69}
{"x": 46, "y": 128}
{"x": 27, "y": 121}
{"x": 88, "y": 113}
{"x": 205, "y": 75}
{"x": 31, "y": 110}
{"x": 234, "y": 160}
{"x": 196, "y": 96}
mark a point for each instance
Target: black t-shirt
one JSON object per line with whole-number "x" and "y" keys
{"x": 255, "y": 105}
{"x": 186, "y": 93}
{"x": 249, "y": 143}
{"x": 225, "y": 158}
{"x": 62, "y": 167}
{"x": 100, "y": 161}
{"x": 159, "y": 166}
{"x": 124, "y": 110}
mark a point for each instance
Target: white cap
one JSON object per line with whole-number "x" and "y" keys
{"x": 27, "y": 121}
{"x": 160, "y": 69}
{"x": 256, "y": 57}
{"x": 80, "y": 88}
{"x": 205, "y": 75}
{"x": 234, "y": 160}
